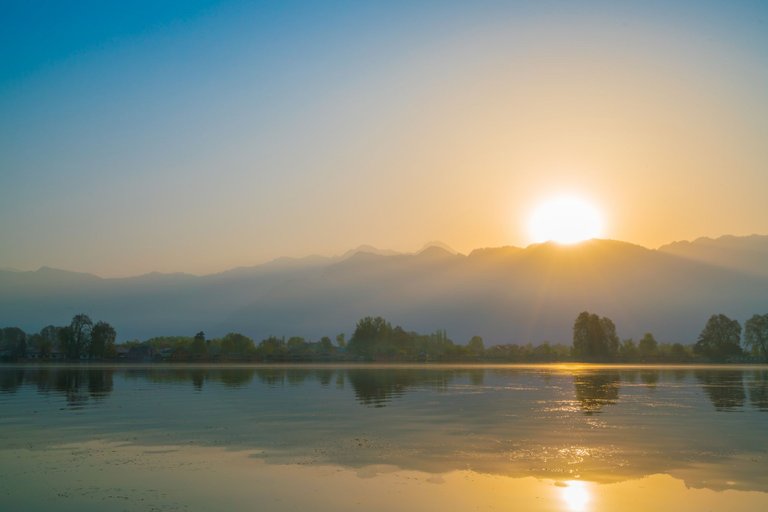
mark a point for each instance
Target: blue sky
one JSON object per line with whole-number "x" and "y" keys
{"x": 200, "y": 135}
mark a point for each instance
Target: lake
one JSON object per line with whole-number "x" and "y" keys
{"x": 335, "y": 438}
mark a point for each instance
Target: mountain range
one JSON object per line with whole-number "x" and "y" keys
{"x": 504, "y": 294}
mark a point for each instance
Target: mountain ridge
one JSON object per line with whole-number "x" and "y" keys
{"x": 748, "y": 253}
{"x": 505, "y": 294}
{"x": 680, "y": 248}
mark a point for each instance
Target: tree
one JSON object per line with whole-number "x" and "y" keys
{"x": 297, "y": 348}
{"x": 76, "y": 337}
{"x": 271, "y": 349}
{"x": 103, "y": 338}
{"x": 235, "y": 344}
{"x": 628, "y": 350}
{"x": 48, "y": 341}
{"x": 756, "y": 336}
{"x": 65, "y": 341}
{"x": 326, "y": 345}
{"x": 199, "y": 348}
{"x": 13, "y": 343}
{"x": 678, "y": 353}
{"x": 648, "y": 347}
{"x": 476, "y": 347}
{"x": 720, "y": 338}
{"x": 341, "y": 340}
{"x": 370, "y": 337}
{"x": 594, "y": 338}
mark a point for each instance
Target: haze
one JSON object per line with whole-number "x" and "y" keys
{"x": 200, "y": 136}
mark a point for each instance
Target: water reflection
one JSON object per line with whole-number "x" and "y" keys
{"x": 95, "y": 476}
{"x": 576, "y": 495}
{"x": 724, "y": 388}
{"x": 378, "y": 387}
{"x": 596, "y": 389}
{"x": 77, "y": 385}
{"x": 607, "y": 424}
{"x": 11, "y": 379}
{"x": 758, "y": 390}
{"x": 650, "y": 377}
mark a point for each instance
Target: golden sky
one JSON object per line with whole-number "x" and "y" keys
{"x": 204, "y": 136}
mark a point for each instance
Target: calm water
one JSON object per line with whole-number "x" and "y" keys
{"x": 553, "y": 438}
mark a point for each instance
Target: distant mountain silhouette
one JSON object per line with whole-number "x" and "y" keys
{"x": 747, "y": 254}
{"x": 439, "y": 244}
{"x": 368, "y": 249}
{"x": 505, "y": 294}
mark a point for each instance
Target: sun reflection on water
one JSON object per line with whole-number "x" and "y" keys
{"x": 576, "y": 496}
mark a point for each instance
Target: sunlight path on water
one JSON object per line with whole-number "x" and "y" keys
{"x": 576, "y": 495}
{"x": 173, "y": 478}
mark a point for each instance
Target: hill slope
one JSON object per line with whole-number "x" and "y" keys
{"x": 505, "y": 294}
{"x": 747, "y": 254}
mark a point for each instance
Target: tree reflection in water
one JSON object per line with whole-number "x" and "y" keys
{"x": 725, "y": 388}
{"x": 11, "y": 379}
{"x": 237, "y": 377}
{"x": 758, "y": 390}
{"x": 594, "y": 390}
{"x": 376, "y": 388}
{"x": 649, "y": 377}
{"x": 77, "y": 385}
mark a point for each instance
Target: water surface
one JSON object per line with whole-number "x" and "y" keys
{"x": 561, "y": 437}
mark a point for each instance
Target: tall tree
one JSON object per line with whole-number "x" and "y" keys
{"x": 756, "y": 336}
{"x": 297, "y": 348}
{"x": 238, "y": 345}
{"x": 271, "y": 349}
{"x": 199, "y": 348}
{"x": 76, "y": 338}
{"x": 719, "y": 339}
{"x": 594, "y": 337}
{"x": 49, "y": 341}
{"x": 370, "y": 337}
{"x": 13, "y": 343}
{"x": 648, "y": 347}
{"x": 628, "y": 350}
{"x": 476, "y": 347}
{"x": 103, "y": 338}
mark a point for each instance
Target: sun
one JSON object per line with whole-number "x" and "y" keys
{"x": 565, "y": 220}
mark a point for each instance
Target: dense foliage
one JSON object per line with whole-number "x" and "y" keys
{"x": 594, "y": 338}
{"x": 756, "y": 336}
{"x": 719, "y": 340}
{"x": 80, "y": 340}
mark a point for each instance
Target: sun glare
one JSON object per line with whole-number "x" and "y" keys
{"x": 575, "y": 495}
{"x": 565, "y": 220}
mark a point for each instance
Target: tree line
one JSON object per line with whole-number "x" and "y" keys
{"x": 595, "y": 339}
{"x": 375, "y": 339}
{"x": 81, "y": 339}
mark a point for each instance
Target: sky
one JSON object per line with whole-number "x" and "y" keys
{"x": 196, "y": 136}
